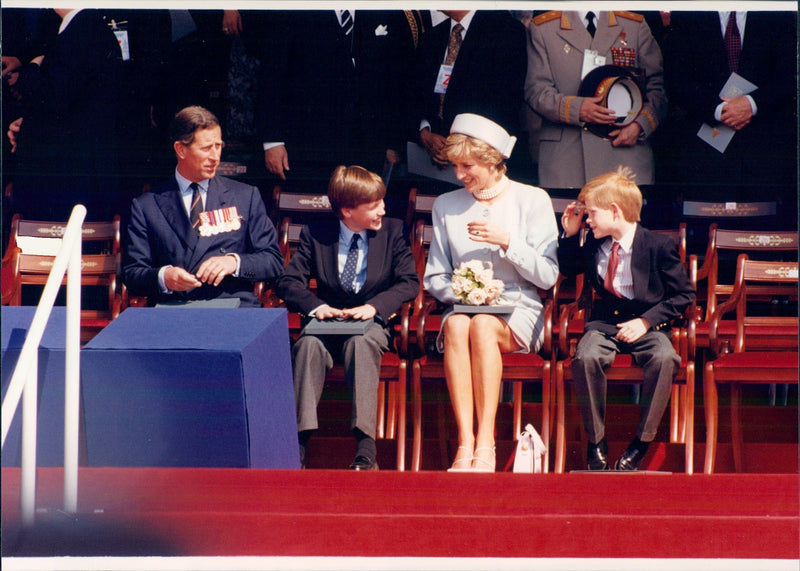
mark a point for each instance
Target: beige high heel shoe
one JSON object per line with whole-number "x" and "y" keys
{"x": 481, "y": 465}
{"x": 462, "y": 464}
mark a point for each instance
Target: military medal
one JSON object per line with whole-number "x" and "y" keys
{"x": 213, "y": 222}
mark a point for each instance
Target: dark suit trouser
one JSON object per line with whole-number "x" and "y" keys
{"x": 595, "y": 352}
{"x": 313, "y": 356}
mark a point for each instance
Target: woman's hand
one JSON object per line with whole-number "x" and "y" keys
{"x": 482, "y": 231}
{"x": 572, "y": 219}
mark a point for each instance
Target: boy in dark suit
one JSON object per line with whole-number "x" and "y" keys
{"x": 199, "y": 236}
{"x": 641, "y": 285}
{"x": 364, "y": 271}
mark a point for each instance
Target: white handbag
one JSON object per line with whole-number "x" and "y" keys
{"x": 530, "y": 455}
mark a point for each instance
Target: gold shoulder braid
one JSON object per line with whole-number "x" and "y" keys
{"x": 547, "y": 17}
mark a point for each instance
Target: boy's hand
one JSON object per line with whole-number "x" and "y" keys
{"x": 631, "y": 330}
{"x": 362, "y": 312}
{"x": 572, "y": 218}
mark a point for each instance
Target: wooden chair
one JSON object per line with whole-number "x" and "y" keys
{"x": 624, "y": 371}
{"x": 420, "y": 207}
{"x": 297, "y": 205}
{"x": 761, "y": 351}
{"x": 428, "y": 365}
{"x": 31, "y": 252}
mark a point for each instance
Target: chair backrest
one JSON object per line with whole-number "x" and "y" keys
{"x": 771, "y": 277}
{"x": 298, "y": 204}
{"x": 760, "y": 244}
{"x": 420, "y": 207}
{"x": 96, "y": 270}
{"x": 44, "y": 237}
{"x": 288, "y": 238}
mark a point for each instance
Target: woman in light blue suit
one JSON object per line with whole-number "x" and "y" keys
{"x": 512, "y": 226}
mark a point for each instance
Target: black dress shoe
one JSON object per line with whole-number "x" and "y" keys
{"x": 597, "y": 455}
{"x": 364, "y": 463}
{"x": 630, "y": 460}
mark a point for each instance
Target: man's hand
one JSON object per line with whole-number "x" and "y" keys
{"x": 277, "y": 161}
{"x": 631, "y": 330}
{"x": 13, "y": 130}
{"x": 10, "y": 65}
{"x": 627, "y": 136}
{"x": 178, "y": 279}
{"x": 572, "y": 219}
{"x": 592, "y": 112}
{"x": 433, "y": 143}
{"x": 362, "y": 312}
{"x": 213, "y": 270}
{"x": 737, "y": 113}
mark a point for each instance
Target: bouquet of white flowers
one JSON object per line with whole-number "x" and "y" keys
{"x": 474, "y": 284}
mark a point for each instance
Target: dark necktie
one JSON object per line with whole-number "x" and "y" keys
{"x": 197, "y": 206}
{"x": 453, "y": 46}
{"x": 611, "y": 270}
{"x": 349, "y": 271}
{"x": 590, "y": 27}
{"x": 347, "y": 22}
{"x": 733, "y": 43}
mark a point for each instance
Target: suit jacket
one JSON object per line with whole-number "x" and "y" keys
{"x": 488, "y": 74}
{"x": 327, "y": 109}
{"x": 68, "y": 123}
{"x": 569, "y": 156}
{"x": 661, "y": 287}
{"x": 391, "y": 276}
{"x": 763, "y": 154}
{"x": 159, "y": 234}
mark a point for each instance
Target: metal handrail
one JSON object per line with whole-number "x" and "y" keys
{"x": 24, "y": 381}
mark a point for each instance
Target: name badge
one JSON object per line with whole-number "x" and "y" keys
{"x": 213, "y": 222}
{"x": 591, "y": 60}
{"x": 124, "y": 45}
{"x": 443, "y": 80}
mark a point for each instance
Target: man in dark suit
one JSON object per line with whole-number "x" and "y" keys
{"x": 199, "y": 236}
{"x": 64, "y": 140}
{"x": 331, "y": 88}
{"x": 761, "y": 161}
{"x": 641, "y": 286}
{"x": 486, "y": 74}
{"x": 364, "y": 271}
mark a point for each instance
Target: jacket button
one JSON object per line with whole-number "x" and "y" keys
{"x": 616, "y": 312}
{"x": 222, "y": 250}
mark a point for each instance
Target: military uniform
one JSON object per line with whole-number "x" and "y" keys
{"x": 569, "y": 155}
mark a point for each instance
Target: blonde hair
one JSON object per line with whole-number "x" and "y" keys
{"x": 617, "y": 187}
{"x": 352, "y": 186}
{"x": 459, "y": 146}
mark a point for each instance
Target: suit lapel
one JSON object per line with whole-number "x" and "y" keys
{"x": 574, "y": 32}
{"x": 376, "y": 244}
{"x": 171, "y": 205}
{"x": 640, "y": 263}
{"x": 606, "y": 34}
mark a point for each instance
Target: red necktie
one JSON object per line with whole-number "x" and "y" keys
{"x": 611, "y": 270}
{"x": 733, "y": 43}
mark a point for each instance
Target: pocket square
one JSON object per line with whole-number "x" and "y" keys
{"x": 382, "y": 30}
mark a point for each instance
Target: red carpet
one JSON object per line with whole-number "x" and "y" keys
{"x": 208, "y": 512}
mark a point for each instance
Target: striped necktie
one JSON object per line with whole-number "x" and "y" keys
{"x": 197, "y": 206}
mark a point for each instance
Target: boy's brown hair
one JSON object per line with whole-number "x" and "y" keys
{"x": 352, "y": 186}
{"x": 615, "y": 187}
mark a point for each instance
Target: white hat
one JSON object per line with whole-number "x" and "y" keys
{"x": 484, "y": 129}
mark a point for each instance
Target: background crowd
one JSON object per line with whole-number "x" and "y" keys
{"x": 301, "y": 91}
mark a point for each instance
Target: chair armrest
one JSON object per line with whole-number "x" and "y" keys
{"x": 716, "y": 348}
{"x": 422, "y": 321}
{"x": 568, "y": 311}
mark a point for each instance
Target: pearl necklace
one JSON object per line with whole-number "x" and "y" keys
{"x": 492, "y": 192}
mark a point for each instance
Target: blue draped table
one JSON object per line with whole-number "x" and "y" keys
{"x": 16, "y": 322}
{"x": 191, "y": 387}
